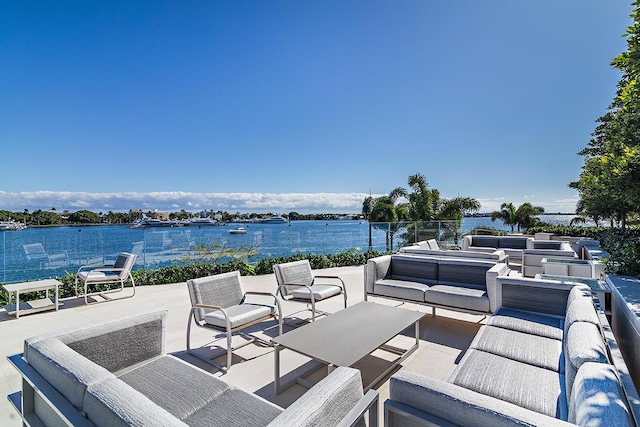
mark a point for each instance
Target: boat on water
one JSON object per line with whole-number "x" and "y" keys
{"x": 11, "y": 225}
{"x": 239, "y": 230}
{"x": 199, "y": 222}
{"x": 146, "y": 222}
{"x": 274, "y": 220}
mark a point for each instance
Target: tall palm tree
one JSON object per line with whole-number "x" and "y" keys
{"x": 507, "y": 214}
{"x": 386, "y": 209}
{"x": 526, "y": 215}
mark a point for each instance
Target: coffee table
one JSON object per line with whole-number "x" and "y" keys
{"x": 347, "y": 336}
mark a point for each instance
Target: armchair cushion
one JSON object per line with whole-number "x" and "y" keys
{"x": 238, "y": 315}
{"x": 319, "y": 292}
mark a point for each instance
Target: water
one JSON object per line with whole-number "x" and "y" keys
{"x": 37, "y": 253}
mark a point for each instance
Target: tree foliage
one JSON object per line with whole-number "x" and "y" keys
{"x": 609, "y": 183}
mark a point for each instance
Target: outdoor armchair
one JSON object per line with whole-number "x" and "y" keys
{"x": 102, "y": 274}
{"x": 219, "y": 302}
{"x": 296, "y": 282}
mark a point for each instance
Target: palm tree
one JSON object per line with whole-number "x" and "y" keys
{"x": 386, "y": 209}
{"x": 526, "y": 215}
{"x": 507, "y": 214}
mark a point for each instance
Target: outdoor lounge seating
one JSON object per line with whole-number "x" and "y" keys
{"x": 466, "y": 285}
{"x": 513, "y": 246}
{"x": 117, "y": 373}
{"x": 104, "y": 274}
{"x": 539, "y": 249}
{"x": 543, "y": 358}
{"x": 219, "y": 302}
{"x": 296, "y": 282}
{"x": 430, "y": 248}
{"x": 35, "y": 253}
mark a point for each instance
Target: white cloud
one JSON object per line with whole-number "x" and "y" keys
{"x": 168, "y": 201}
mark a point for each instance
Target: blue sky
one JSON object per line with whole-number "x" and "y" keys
{"x": 288, "y": 105}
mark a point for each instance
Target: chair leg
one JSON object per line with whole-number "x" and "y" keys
{"x": 229, "y": 349}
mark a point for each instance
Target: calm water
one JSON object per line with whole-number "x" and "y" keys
{"x": 57, "y": 250}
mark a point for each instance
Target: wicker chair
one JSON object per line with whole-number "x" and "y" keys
{"x": 219, "y": 302}
{"x": 296, "y": 282}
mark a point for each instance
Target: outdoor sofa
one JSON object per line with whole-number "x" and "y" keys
{"x": 116, "y": 373}
{"x": 466, "y": 285}
{"x": 539, "y": 249}
{"x": 542, "y": 359}
{"x": 513, "y": 246}
{"x": 430, "y": 248}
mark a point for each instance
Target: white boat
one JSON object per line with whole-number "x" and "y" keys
{"x": 199, "y": 222}
{"x": 11, "y": 225}
{"x": 239, "y": 230}
{"x": 274, "y": 220}
{"x": 145, "y": 222}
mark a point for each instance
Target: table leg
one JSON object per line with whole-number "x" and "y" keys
{"x": 276, "y": 359}
{"x": 17, "y": 304}
{"x": 56, "y": 300}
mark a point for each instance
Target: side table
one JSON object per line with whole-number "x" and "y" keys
{"x": 35, "y": 305}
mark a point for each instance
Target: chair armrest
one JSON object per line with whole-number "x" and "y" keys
{"x": 259, "y": 293}
{"x": 92, "y": 267}
{"x": 368, "y": 403}
{"x": 215, "y": 307}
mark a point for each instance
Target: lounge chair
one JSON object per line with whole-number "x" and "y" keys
{"x": 219, "y": 302}
{"x": 102, "y": 274}
{"x": 36, "y": 252}
{"x": 296, "y": 282}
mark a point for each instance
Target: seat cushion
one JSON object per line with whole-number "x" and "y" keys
{"x": 163, "y": 382}
{"x": 527, "y": 348}
{"x": 235, "y": 408}
{"x": 238, "y": 315}
{"x": 320, "y": 292}
{"x": 458, "y": 296}
{"x": 403, "y": 289}
{"x": 528, "y": 322}
{"x": 94, "y": 276}
{"x": 538, "y": 389}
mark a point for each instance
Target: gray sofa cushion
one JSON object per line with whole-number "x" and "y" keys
{"x": 485, "y": 241}
{"x": 460, "y": 406}
{"x": 528, "y": 322}
{"x": 512, "y": 242}
{"x": 112, "y": 403}
{"x": 580, "y": 308}
{"x": 67, "y": 371}
{"x": 583, "y": 343}
{"x": 597, "y": 397}
{"x": 403, "y": 289}
{"x": 527, "y": 348}
{"x": 121, "y": 342}
{"x": 537, "y": 389}
{"x": 458, "y": 296}
{"x": 175, "y": 385}
{"x": 235, "y": 408}
{"x": 407, "y": 267}
{"x": 463, "y": 271}
{"x": 328, "y": 403}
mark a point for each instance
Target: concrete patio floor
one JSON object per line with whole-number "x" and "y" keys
{"x": 443, "y": 338}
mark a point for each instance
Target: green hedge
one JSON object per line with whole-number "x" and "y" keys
{"x": 182, "y": 273}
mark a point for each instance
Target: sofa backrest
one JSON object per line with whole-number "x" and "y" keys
{"x": 471, "y": 272}
{"x": 114, "y": 344}
{"x": 485, "y": 241}
{"x": 514, "y": 242}
{"x": 407, "y": 267}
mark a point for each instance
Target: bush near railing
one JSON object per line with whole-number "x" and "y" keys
{"x": 569, "y": 230}
{"x": 182, "y": 273}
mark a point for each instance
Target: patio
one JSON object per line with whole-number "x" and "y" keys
{"x": 443, "y": 339}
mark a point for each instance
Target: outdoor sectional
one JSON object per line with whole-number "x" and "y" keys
{"x": 116, "y": 373}
{"x": 513, "y": 246}
{"x": 466, "y": 285}
{"x": 423, "y": 248}
{"x": 539, "y": 249}
{"x": 543, "y": 358}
